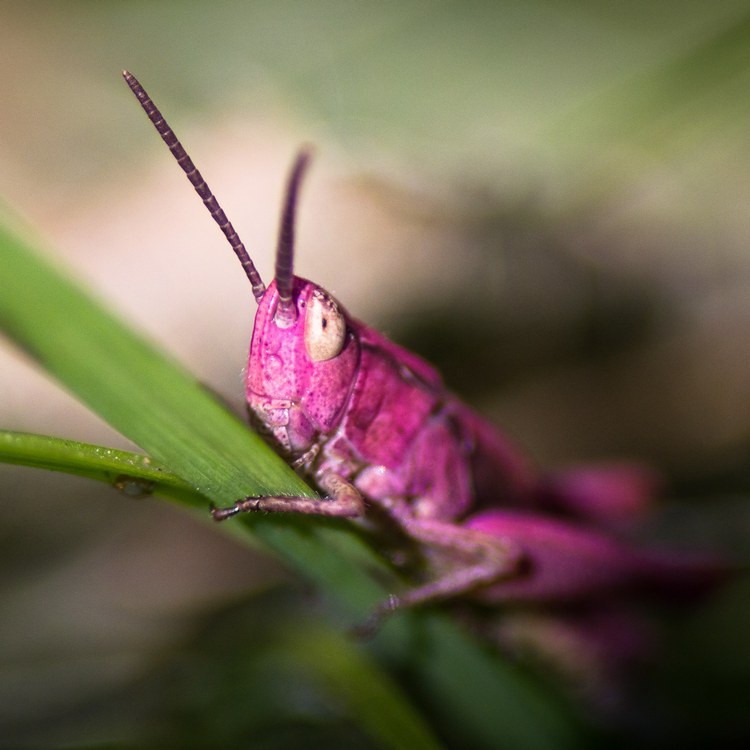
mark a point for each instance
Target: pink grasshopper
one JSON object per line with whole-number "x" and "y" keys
{"x": 373, "y": 427}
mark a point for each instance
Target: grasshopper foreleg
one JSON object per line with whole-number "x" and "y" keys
{"x": 342, "y": 500}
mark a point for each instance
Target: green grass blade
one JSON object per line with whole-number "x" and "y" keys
{"x": 373, "y": 699}
{"x": 500, "y": 708}
{"x": 124, "y": 470}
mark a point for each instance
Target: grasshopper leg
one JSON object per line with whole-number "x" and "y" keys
{"x": 342, "y": 500}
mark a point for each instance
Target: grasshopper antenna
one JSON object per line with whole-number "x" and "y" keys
{"x": 286, "y": 311}
{"x": 197, "y": 181}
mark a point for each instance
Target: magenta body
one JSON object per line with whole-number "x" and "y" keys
{"x": 379, "y": 416}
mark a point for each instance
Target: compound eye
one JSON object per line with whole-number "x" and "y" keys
{"x": 325, "y": 327}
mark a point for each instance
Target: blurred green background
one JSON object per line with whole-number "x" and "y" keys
{"x": 547, "y": 199}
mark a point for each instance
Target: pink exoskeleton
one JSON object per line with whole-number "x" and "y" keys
{"x": 372, "y": 426}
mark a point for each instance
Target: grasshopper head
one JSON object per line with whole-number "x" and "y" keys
{"x": 302, "y": 365}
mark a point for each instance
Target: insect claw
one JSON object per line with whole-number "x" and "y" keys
{"x": 221, "y": 514}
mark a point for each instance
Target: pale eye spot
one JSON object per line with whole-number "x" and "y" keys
{"x": 325, "y": 327}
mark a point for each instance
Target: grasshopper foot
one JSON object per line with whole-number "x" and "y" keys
{"x": 241, "y": 506}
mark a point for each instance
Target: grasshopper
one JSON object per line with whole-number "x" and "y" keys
{"x": 372, "y": 426}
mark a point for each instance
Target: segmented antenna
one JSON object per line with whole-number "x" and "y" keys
{"x": 286, "y": 312}
{"x": 197, "y": 181}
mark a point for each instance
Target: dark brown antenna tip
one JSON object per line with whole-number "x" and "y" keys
{"x": 197, "y": 181}
{"x": 286, "y": 312}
